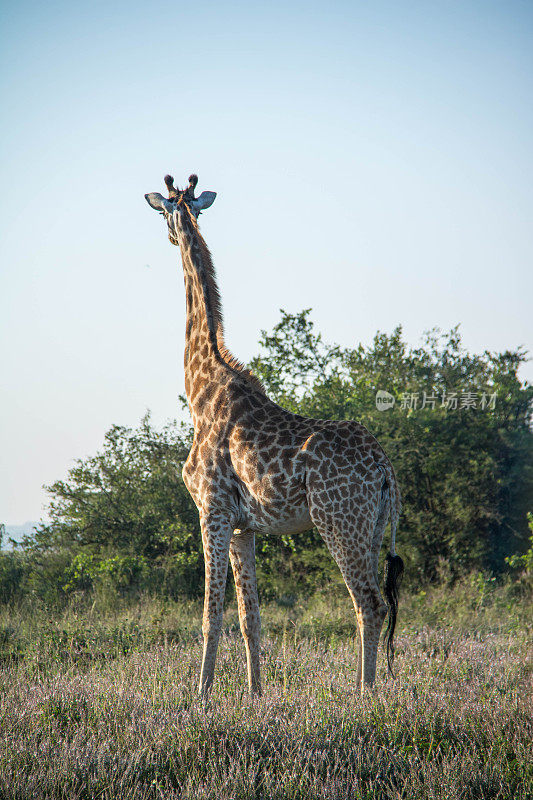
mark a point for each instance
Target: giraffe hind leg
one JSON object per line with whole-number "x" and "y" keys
{"x": 377, "y": 541}
{"x": 347, "y": 522}
{"x": 370, "y": 609}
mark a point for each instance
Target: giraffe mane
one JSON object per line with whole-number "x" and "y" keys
{"x": 215, "y": 304}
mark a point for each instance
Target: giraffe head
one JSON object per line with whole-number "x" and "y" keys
{"x": 180, "y": 201}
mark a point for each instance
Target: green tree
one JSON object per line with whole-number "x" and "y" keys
{"x": 122, "y": 521}
{"x": 123, "y": 516}
{"x": 466, "y": 473}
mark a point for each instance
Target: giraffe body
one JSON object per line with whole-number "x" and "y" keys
{"x": 257, "y": 468}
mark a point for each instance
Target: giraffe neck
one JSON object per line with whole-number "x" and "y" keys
{"x": 207, "y": 360}
{"x": 203, "y": 331}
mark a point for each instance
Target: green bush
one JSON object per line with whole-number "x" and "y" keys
{"x": 11, "y": 576}
{"x": 122, "y": 522}
{"x": 466, "y": 474}
{"x": 524, "y": 561}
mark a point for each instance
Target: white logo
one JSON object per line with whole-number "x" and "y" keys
{"x": 384, "y": 400}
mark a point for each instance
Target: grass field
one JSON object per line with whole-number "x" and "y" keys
{"x": 101, "y": 703}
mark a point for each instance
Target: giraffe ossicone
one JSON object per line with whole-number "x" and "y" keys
{"x": 175, "y": 196}
{"x": 255, "y": 467}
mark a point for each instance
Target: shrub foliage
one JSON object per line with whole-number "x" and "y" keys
{"x": 459, "y": 435}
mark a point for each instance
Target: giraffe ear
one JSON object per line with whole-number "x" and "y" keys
{"x": 158, "y": 202}
{"x": 205, "y": 200}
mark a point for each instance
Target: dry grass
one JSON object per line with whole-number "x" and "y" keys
{"x": 105, "y": 707}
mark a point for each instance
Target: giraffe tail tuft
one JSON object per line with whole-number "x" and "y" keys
{"x": 393, "y": 572}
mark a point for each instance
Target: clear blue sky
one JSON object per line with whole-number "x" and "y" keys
{"x": 372, "y": 161}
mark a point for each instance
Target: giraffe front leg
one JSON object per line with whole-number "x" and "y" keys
{"x": 242, "y": 556}
{"x": 216, "y": 534}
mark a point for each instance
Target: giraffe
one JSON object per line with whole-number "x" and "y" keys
{"x": 256, "y": 468}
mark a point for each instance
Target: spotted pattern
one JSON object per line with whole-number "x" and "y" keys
{"x": 255, "y": 467}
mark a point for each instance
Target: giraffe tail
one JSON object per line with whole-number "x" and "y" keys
{"x": 393, "y": 569}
